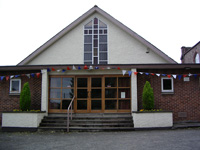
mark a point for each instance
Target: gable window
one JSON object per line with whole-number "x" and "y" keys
{"x": 197, "y": 58}
{"x": 15, "y": 85}
{"x": 167, "y": 85}
{"x": 95, "y": 42}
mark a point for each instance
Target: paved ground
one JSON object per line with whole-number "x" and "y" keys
{"x": 184, "y": 139}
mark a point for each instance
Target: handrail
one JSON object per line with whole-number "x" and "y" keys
{"x": 70, "y": 105}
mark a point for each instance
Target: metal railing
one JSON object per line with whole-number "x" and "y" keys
{"x": 68, "y": 109}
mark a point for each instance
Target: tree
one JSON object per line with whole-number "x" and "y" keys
{"x": 148, "y": 97}
{"x": 25, "y": 98}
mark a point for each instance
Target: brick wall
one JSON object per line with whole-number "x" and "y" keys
{"x": 9, "y": 102}
{"x": 189, "y": 57}
{"x": 185, "y": 102}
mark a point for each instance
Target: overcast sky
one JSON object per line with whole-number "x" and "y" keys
{"x": 27, "y": 24}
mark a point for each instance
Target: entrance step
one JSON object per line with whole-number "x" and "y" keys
{"x": 89, "y": 122}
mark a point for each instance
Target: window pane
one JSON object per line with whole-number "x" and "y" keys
{"x": 103, "y": 62}
{"x": 103, "y": 56}
{"x": 96, "y": 93}
{"x": 67, "y": 93}
{"x": 110, "y": 82}
{"x": 95, "y": 21}
{"x": 15, "y": 86}
{"x": 110, "y": 104}
{"x": 88, "y": 47}
{"x": 102, "y": 38}
{"x": 55, "y": 93}
{"x": 102, "y": 47}
{"x": 88, "y": 56}
{"x": 85, "y": 31}
{"x": 124, "y": 82}
{"x": 82, "y": 104}
{"x": 167, "y": 84}
{"x": 124, "y": 104}
{"x": 82, "y": 93}
{"x": 88, "y": 39}
{"x": 95, "y": 51}
{"x": 124, "y": 93}
{"x": 95, "y": 43}
{"x": 55, "y": 82}
{"x": 102, "y": 25}
{"x": 95, "y": 60}
{"x": 54, "y": 104}
{"x": 111, "y": 93}
{"x": 65, "y": 104}
{"x": 82, "y": 82}
{"x": 96, "y": 82}
{"x": 197, "y": 59}
{"x": 89, "y": 25}
{"x": 96, "y": 104}
{"x": 68, "y": 82}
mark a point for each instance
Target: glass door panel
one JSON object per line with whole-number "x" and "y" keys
{"x": 82, "y": 94}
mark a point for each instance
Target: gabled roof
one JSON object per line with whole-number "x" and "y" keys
{"x": 93, "y": 10}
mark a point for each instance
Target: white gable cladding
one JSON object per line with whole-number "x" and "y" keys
{"x": 122, "y": 48}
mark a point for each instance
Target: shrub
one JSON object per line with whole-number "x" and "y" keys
{"x": 148, "y": 97}
{"x": 25, "y": 98}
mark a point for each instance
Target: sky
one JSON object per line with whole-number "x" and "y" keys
{"x": 27, "y": 24}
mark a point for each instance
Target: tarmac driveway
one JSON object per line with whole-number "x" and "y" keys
{"x": 184, "y": 139}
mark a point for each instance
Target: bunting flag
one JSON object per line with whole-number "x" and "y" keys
{"x": 85, "y": 67}
{"x": 195, "y": 75}
{"x": 108, "y": 68}
{"x": 11, "y": 77}
{"x": 38, "y": 75}
{"x": 28, "y": 75}
{"x": 2, "y": 77}
{"x": 123, "y": 72}
{"x": 53, "y": 69}
{"x": 174, "y": 76}
{"x": 158, "y": 74}
{"x": 147, "y": 74}
{"x": 59, "y": 70}
{"x": 7, "y": 78}
{"x": 164, "y": 75}
{"x": 141, "y": 72}
{"x": 135, "y": 73}
{"x": 90, "y": 68}
{"x": 63, "y": 70}
{"x": 68, "y": 68}
{"x": 179, "y": 77}
{"x": 74, "y": 68}
{"x": 129, "y": 73}
{"x": 96, "y": 67}
{"x": 32, "y": 75}
{"x": 48, "y": 70}
{"x": 79, "y": 68}
{"x": 169, "y": 76}
{"x": 118, "y": 68}
{"x": 16, "y": 76}
{"x": 185, "y": 75}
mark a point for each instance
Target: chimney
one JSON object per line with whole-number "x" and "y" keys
{"x": 184, "y": 50}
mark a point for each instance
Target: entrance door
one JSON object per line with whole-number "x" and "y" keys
{"x": 89, "y": 94}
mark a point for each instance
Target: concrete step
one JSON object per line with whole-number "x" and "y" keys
{"x": 88, "y": 122}
{"x": 87, "y": 129}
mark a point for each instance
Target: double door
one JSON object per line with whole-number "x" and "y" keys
{"x": 89, "y": 94}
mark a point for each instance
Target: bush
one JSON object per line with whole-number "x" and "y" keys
{"x": 148, "y": 97}
{"x": 25, "y": 98}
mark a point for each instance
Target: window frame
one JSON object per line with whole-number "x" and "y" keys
{"x": 15, "y": 92}
{"x": 172, "y": 85}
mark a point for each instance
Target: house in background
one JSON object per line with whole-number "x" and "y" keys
{"x": 191, "y": 54}
{"x": 104, "y": 65}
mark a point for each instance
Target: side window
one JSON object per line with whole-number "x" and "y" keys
{"x": 167, "y": 85}
{"x": 197, "y": 58}
{"x": 15, "y": 85}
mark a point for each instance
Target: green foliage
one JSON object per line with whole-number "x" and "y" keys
{"x": 148, "y": 97}
{"x": 25, "y": 98}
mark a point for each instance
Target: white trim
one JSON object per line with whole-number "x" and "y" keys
{"x": 17, "y": 92}
{"x": 134, "y": 102}
{"x": 172, "y": 84}
{"x": 45, "y": 85}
